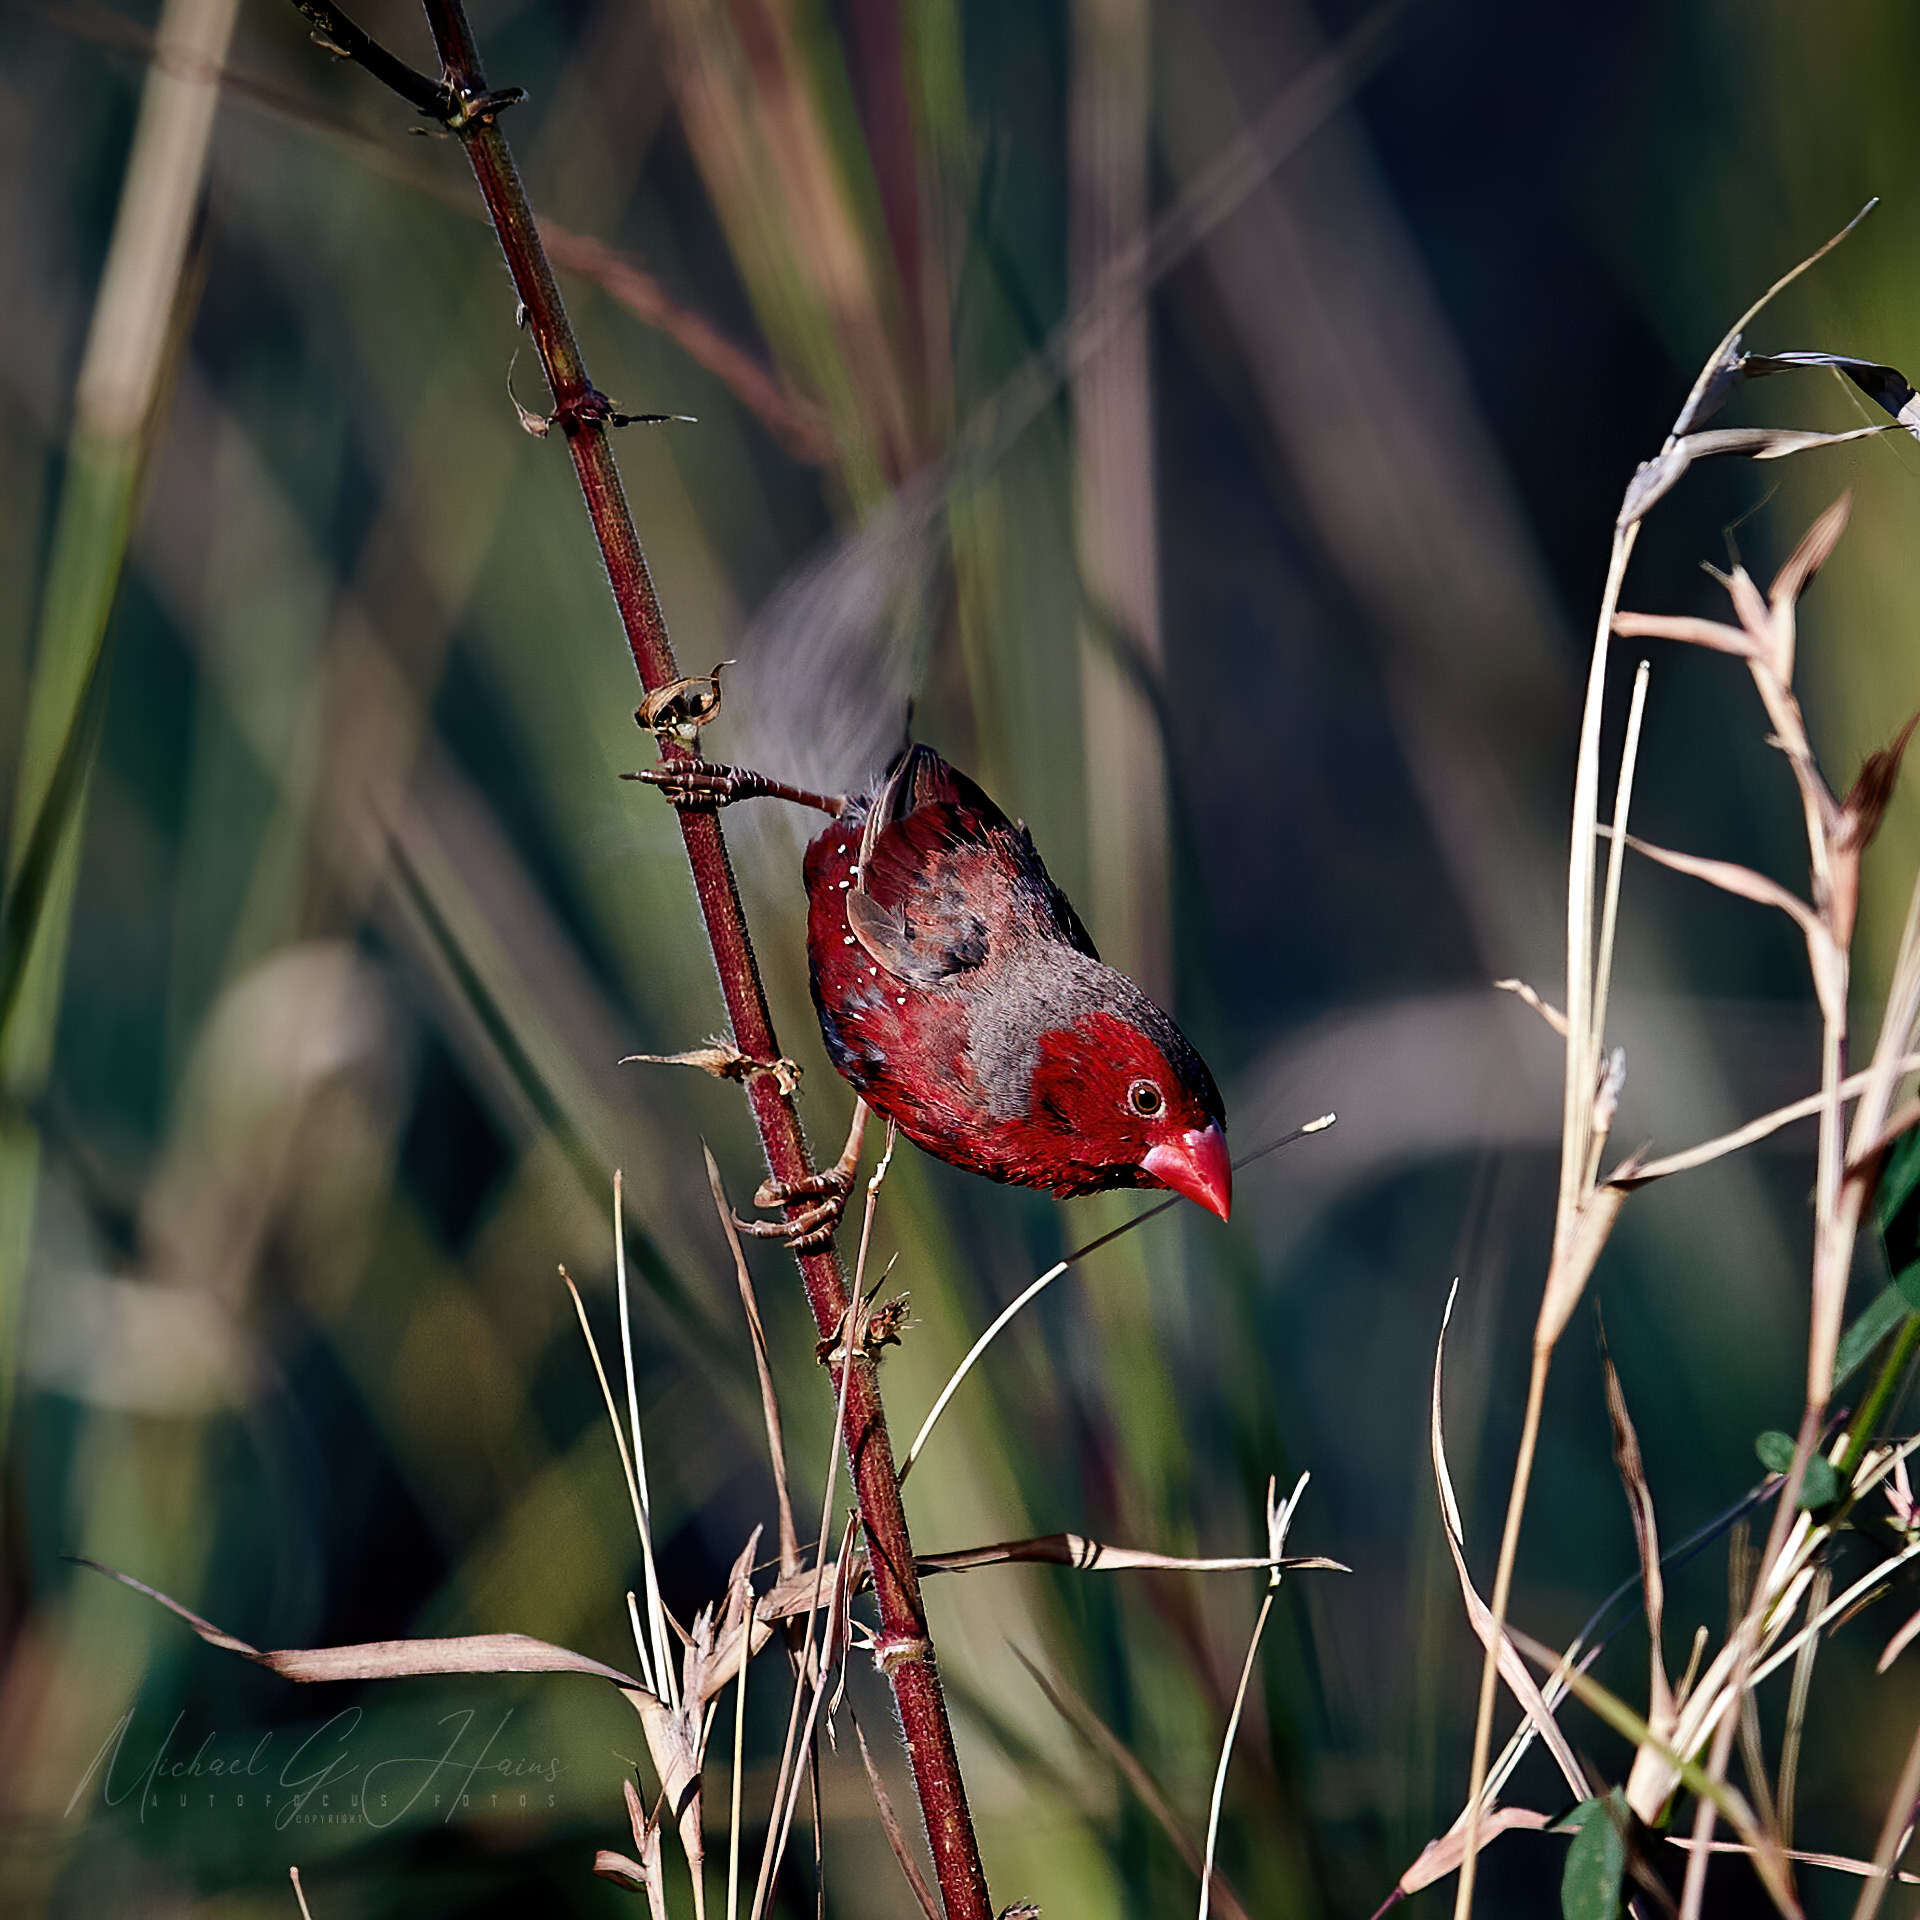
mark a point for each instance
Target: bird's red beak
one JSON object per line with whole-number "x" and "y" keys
{"x": 1196, "y": 1165}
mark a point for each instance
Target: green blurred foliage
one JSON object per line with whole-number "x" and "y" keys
{"x": 1270, "y": 619}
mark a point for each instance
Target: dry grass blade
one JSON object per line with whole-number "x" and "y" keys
{"x": 1147, "y": 1790}
{"x": 299, "y": 1893}
{"x": 1730, "y": 877}
{"x": 1835, "y": 1862}
{"x": 1443, "y": 1856}
{"x": 763, "y": 1366}
{"x": 1866, "y": 802}
{"x": 1886, "y": 386}
{"x": 1694, "y": 632}
{"x": 1512, "y": 1668}
{"x": 1893, "y": 1835}
{"x": 1660, "y": 475}
{"x": 658, "y": 1669}
{"x": 787, "y": 1789}
{"x": 1646, "y": 1539}
{"x": 895, "y": 1838}
{"x": 1575, "y": 1259}
{"x": 1768, "y": 1859}
{"x": 657, "y": 1616}
{"x": 1544, "y": 1008}
{"x": 1815, "y": 549}
{"x": 1279, "y": 1518}
{"x": 1095, "y": 1556}
{"x": 1797, "y": 1699}
{"x": 1716, "y": 377}
{"x": 1610, "y": 909}
{"x": 391, "y": 1659}
{"x": 1901, "y": 1641}
{"x": 1758, "y": 1129}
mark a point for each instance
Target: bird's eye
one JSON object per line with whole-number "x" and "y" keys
{"x": 1145, "y": 1099}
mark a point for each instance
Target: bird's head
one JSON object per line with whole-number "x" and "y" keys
{"x": 1138, "y": 1104}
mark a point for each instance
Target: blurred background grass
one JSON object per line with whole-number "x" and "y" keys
{"x": 1269, "y": 619}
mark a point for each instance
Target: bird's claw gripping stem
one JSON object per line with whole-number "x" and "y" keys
{"x": 701, "y": 786}
{"x": 812, "y": 1226}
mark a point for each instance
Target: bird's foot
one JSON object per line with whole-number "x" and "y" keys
{"x": 701, "y": 786}
{"x": 813, "y": 1226}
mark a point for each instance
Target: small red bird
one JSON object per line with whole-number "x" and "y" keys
{"x": 960, "y": 996}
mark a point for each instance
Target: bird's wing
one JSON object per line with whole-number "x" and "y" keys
{"x": 947, "y": 882}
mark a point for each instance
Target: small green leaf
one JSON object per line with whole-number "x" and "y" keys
{"x": 1869, "y": 1327}
{"x": 1906, "y": 1283}
{"x": 1597, "y": 1860}
{"x": 1819, "y": 1485}
{"x": 1895, "y": 1203}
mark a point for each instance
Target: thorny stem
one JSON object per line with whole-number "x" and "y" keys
{"x": 582, "y": 413}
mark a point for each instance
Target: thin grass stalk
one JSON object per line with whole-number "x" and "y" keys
{"x": 1226, "y": 1752}
{"x": 582, "y": 412}
{"x": 1616, "y": 863}
{"x": 787, "y": 1787}
{"x": 1034, "y": 1288}
{"x": 1837, "y": 1206}
{"x": 1893, "y": 1832}
{"x": 1575, "y": 1162}
{"x": 643, "y": 1643}
{"x": 656, "y": 1608}
{"x": 138, "y": 323}
{"x": 1279, "y": 1519}
{"x": 739, "y": 1752}
{"x": 1582, "y": 1042}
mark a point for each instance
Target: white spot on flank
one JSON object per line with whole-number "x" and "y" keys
{"x": 845, "y": 884}
{"x": 855, "y": 868}
{"x": 849, "y": 939}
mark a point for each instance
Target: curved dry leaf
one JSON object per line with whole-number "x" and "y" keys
{"x": 1815, "y": 548}
{"x": 1730, "y": 877}
{"x": 1837, "y": 1862}
{"x": 1769, "y": 1862}
{"x": 1631, "y": 1467}
{"x": 1887, "y": 387}
{"x": 890, "y": 1822}
{"x": 1095, "y": 1556}
{"x": 1866, "y": 802}
{"x": 1656, "y": 478}
{"x": 392, "y": 1659}
{"x": 620, "y": 1870}
{"x": 1694, "y": 632}
{"x": 1575, "y": 1255}
{"x": 1512, "y": 1668}
{"x": 1902, "y": 1639}
{"x": 1440, "y": 1857}
{"x": 1758, "y": 1129}
{"x": 1544, "y": 1008}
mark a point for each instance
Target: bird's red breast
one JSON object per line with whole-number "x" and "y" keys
{"x": 959, "y": 994}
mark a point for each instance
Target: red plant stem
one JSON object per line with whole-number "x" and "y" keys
{"x": 904, "y": 1648}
